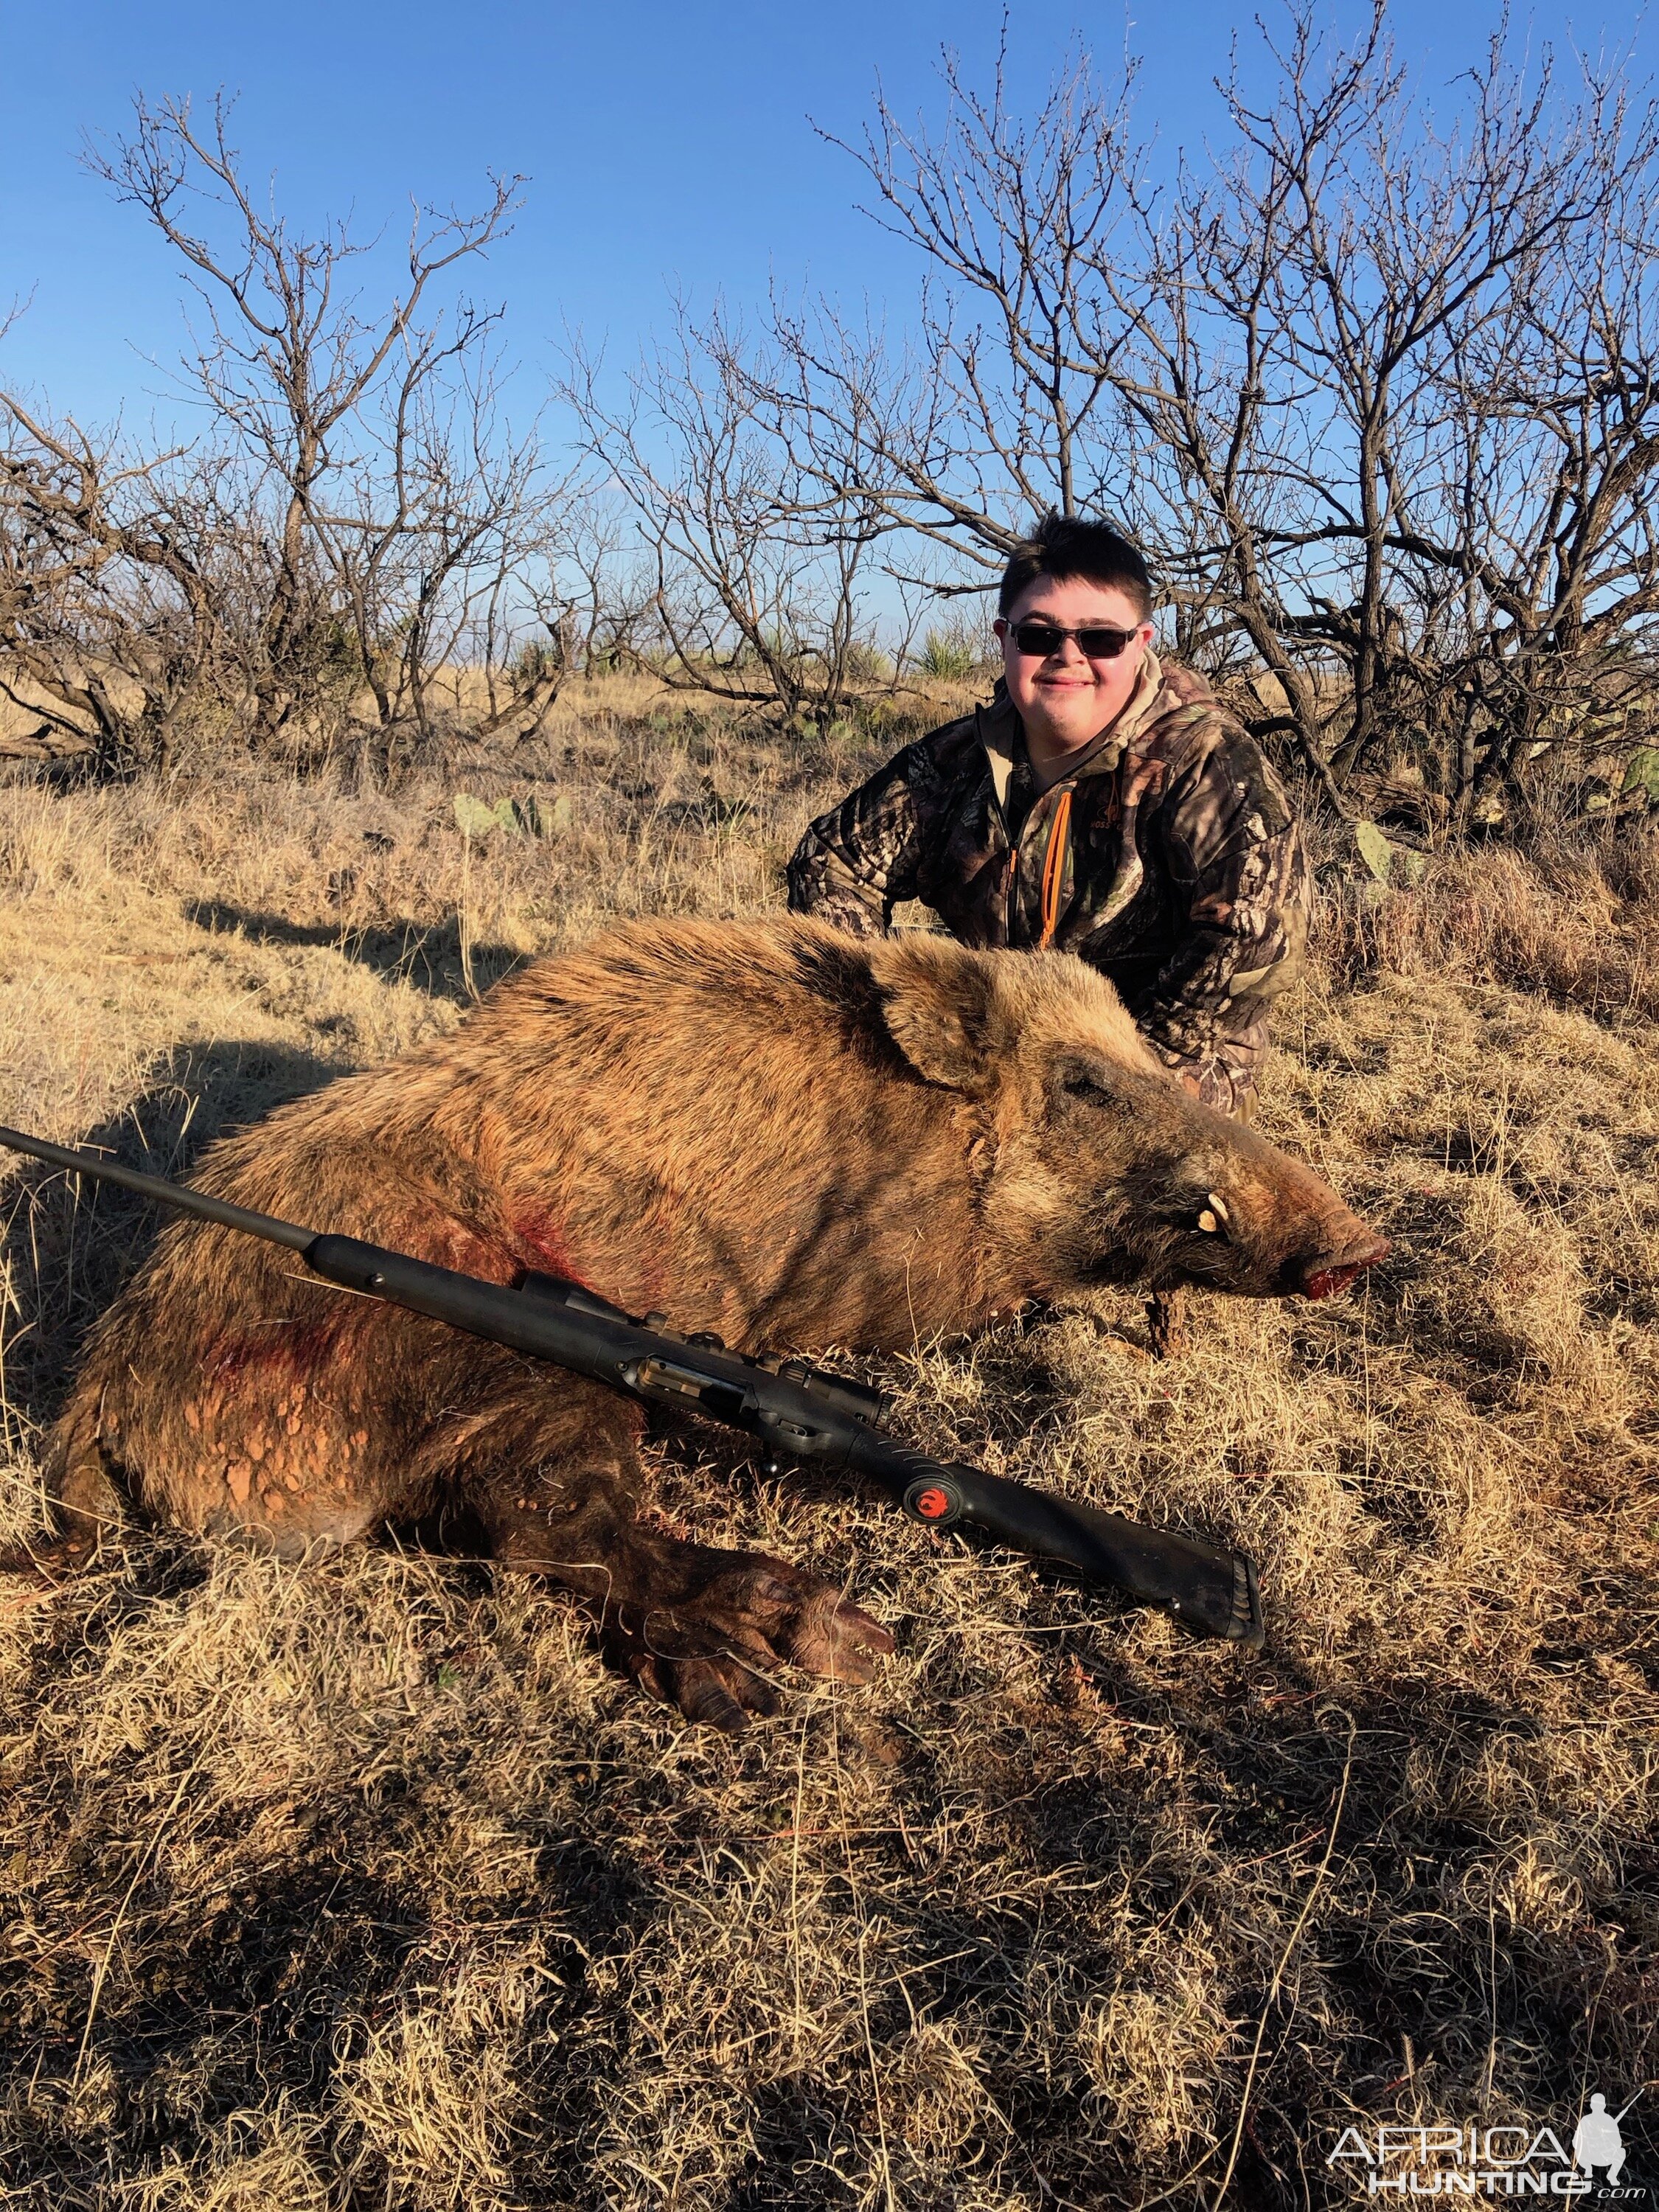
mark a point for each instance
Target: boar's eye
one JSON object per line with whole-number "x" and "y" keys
{"x": 1086, "y": 1083}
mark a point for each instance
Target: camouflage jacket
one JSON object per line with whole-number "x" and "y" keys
{"x": 1169, "y": 858}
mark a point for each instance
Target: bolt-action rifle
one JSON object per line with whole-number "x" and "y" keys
{"x": 795, "y": 1410}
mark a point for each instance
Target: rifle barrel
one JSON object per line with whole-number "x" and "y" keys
{"x": 178, "y": 1195}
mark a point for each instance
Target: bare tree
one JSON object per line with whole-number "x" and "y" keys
{"x": 358, "y": 544}
{"x": 999, "y": 414}
{"x": 1379, "y": 394}
{"x": 562, "y": 605}
{"x": 1323, "y": 351}
{"x": 434, "y": 539}
{"x": 121, "y": 581}
{"x": 294, "y": 367}
{"x": 753, "y": 568}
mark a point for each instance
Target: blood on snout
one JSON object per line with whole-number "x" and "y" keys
{"x": 1325, "y": 1282}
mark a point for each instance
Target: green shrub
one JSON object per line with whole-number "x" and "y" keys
{"x": 950, "y": 655}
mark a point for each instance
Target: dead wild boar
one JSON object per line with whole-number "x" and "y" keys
{"x": 790, "y": 1137}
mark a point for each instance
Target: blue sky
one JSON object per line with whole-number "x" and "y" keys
{"x": 667, "y": 146}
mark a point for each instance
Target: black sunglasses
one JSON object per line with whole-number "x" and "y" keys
{"x": 1037, "y": 640}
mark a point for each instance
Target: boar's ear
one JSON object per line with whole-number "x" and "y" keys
{"x": 938, "y": 1001}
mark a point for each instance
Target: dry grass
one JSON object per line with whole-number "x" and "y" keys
{"x": 363, "y": 1884}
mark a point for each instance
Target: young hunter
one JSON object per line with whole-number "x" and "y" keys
{"x": 1104, "y": 802}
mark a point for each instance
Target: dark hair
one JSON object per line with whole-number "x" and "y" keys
{"x": 1064, "y": 545}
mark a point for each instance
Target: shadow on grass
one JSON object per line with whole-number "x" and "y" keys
{"x": 425, "y": 956}
{"x": 68, "y": 1245}
{"x": 269, "y": 1988}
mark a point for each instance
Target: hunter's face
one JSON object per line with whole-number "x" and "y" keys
{"x": 1067, "y": 700}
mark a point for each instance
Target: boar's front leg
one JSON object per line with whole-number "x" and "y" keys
{"x": 553, "y": 1473}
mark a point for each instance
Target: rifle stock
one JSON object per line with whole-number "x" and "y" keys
{"x": 798, "y": 1411}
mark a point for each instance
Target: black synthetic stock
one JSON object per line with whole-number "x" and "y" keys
{"x": 1209, "y": 1590}
{"x": 811, "y": 1415}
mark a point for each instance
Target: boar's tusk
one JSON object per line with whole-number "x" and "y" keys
{"x": 1219, "y": 1210}
{"x": 1208, "y": 1223}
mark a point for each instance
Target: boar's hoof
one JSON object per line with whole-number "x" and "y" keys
{"x": 717, "y": 1692}
{"x": 1167, "y": 1323}
{"x": 707, "y": 1650}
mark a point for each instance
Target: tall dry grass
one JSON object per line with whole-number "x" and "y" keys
{"x": 363, "y": 1884}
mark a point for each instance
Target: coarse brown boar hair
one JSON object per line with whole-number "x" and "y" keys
{"x": 772, "y": 1131}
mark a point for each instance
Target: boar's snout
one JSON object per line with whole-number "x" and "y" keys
{"x": 1273, "y": 1228}
{"x": 1322, "y": 1274}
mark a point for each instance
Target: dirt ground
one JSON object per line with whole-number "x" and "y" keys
{"x": 363, "y": 1884}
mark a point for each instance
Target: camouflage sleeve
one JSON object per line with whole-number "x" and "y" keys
{"x": 857, "y": 861}
{"x": 1237, "y": 863}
